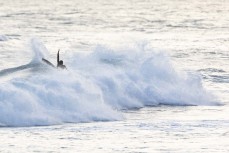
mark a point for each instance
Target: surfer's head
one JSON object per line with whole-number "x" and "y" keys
{"x": 61, "y": 62}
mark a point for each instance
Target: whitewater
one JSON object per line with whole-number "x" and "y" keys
{"x": 142, "y": 76}
{"x": 95, "y": 87}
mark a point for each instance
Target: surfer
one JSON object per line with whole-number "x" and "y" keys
{"x": 60, "y": 63}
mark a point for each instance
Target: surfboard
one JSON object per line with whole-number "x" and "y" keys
{"x": 49, "y": 63}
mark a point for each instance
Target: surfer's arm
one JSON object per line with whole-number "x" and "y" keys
{"x": 58, "y": 58}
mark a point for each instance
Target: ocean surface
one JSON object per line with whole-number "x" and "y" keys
{"x": 142, "y": 76}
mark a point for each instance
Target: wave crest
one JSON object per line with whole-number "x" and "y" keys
{"x": 96, "y": 87}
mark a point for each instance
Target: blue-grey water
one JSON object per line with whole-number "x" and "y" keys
{"x": 142, "y": 76}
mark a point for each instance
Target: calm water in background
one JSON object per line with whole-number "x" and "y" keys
{"x": 194, "y": 33}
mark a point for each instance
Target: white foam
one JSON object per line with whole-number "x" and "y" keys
{"x": 52, "y": 99}
{"x": 97, "y": 86}
{"x": 138, "y": 78}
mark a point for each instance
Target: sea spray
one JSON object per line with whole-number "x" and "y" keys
{"x": 130, "y": 78}
{"x": 39, "y": 50}
{"x": 96, "y": 87}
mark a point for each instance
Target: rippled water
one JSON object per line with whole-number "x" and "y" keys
{"x": 193, "y": 33}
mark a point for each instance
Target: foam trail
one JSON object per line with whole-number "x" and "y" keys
{"x": 16, "y": 69}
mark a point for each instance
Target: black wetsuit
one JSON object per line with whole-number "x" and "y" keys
{"x": 60, "y": 62}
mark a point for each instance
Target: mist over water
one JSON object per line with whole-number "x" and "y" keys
{"x": 142, "y": 76}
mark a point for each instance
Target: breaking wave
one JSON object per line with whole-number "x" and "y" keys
{"x": 96, "y": 87}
